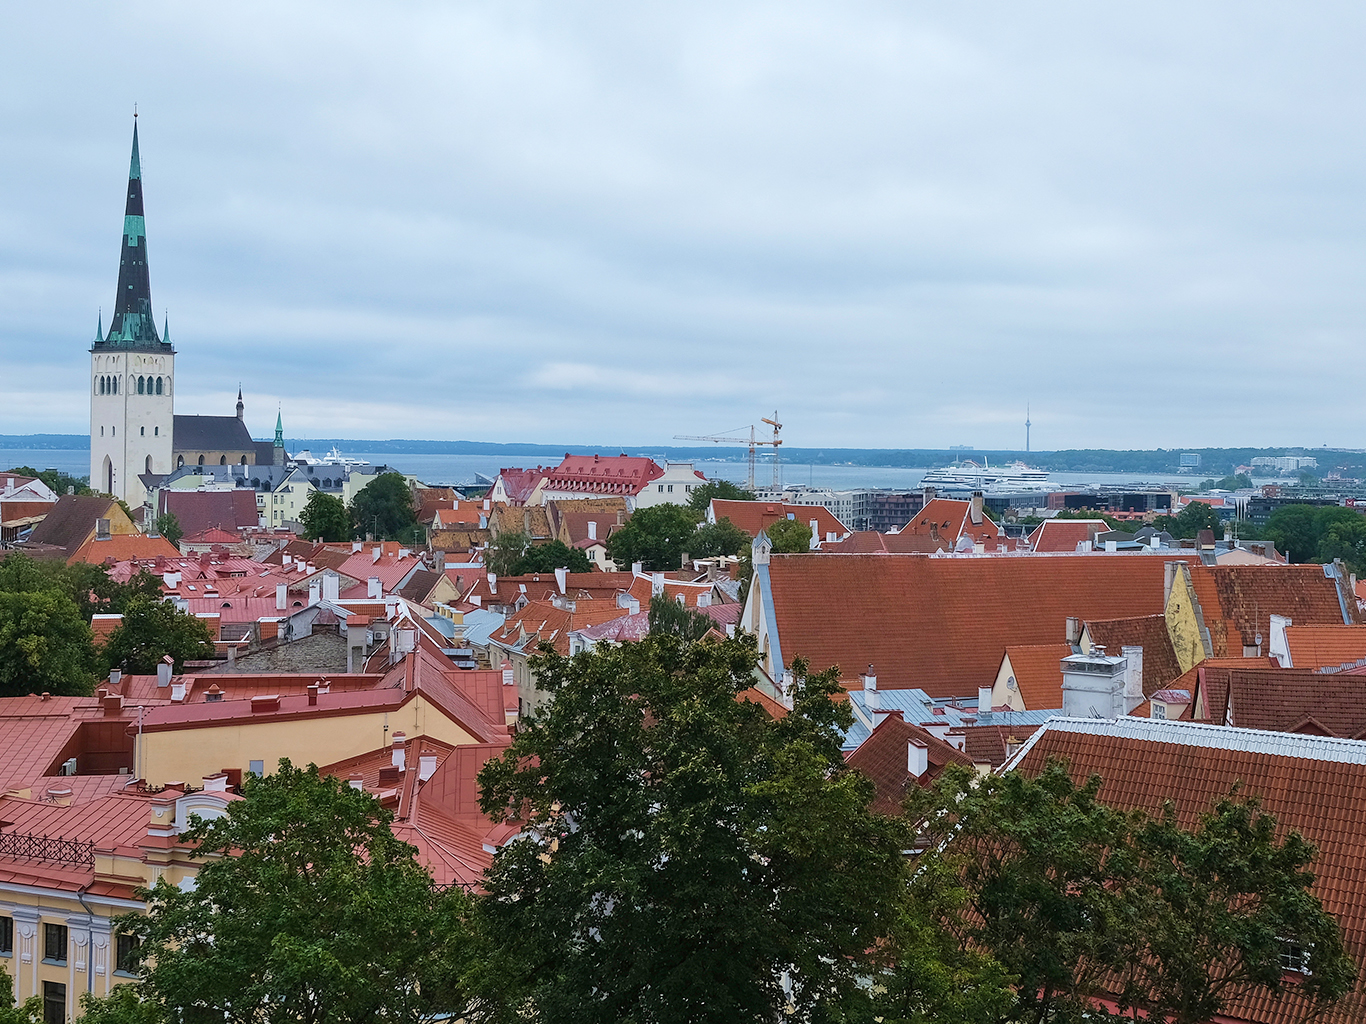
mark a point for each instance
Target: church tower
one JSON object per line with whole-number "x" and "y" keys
{"x": 131, "y": 371}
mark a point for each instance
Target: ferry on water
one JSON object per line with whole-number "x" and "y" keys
{"x": 968, "y": 474}
{"x": 332, "y": 458}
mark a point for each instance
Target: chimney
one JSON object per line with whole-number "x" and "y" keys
{"x": 1133, "y": 677}
{"x": 374, "y": 555}
{"x": 561, "y": 576}
{"x": 232, "y": 656}
{"x": 314, "y": 592}
{"x": 975, "y": 513}
{"x": 168, "y": 579}
{"x": 113, "y": 704}
{"x": 373, "y": 590}
{"x": 178, "y": 690}
{"x": 439, "y": 561}
{"x": 917, "y": 757}
{"x": 927, "y": 495}
{"x": 815, "y": 543}
{"x": 1073, "y": 630}
{"x": 356, "y": 782}
{"x": 213, "y": 694}
{"x": 286, "y": 559}
{"x": 1093, "y": 685}
{"x": 870, "y": 695}
{"x": 115, "y": 675}
{"x": 657, "y": 584}
{"x": 592, "y": 529}
{"x": 507, "y": 672}
{"x": 493, "y": 583}
{"x": 281, "y": 596}
{"x": 331, "y": 586}
{"x": 483, "y": 521}
{"x": 399, "y": 755}
{"x": 356, "y": 546}
{"x": 983, "y": 704}
{"x": 164, "y": 671}
{"x": 426, "y": 767}
{"x": 312, "y": 694}
{"x": 637, "y": 568}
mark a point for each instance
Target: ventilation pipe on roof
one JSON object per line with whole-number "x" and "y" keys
{"x": 312, "y": 694}
{"x": 917, "y": 757}
{"x": 164, "y": 671}
{"x": 870, "y": 694}
{"x": 373, "y": 590}
{"x": 400, "y": 755}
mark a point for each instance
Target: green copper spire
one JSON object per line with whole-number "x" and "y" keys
{"x": 99, "y": 327}
{"x": 279, "y": 431}
{"x": 131, "y": 325}
{"x": 135, "y": 165}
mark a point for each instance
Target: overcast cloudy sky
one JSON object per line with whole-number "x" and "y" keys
{"x": 612, "y": 223}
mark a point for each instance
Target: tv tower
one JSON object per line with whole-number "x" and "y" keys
{"x": 1027, "y": 426}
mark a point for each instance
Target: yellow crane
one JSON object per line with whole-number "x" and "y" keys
{"x": 753, "y": 442}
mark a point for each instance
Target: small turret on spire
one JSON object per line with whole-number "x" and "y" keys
{"x": 99, "y": 326}
{"x": 240, "y": 407}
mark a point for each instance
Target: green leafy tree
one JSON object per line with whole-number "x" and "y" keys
{"x": 30, "y": 1011}
{"x": 1077, "y": 901}
{"x": 548, "y": 557}
{"x": 45, "y": 645}
{"x": 151, "y": 630}
{"x": 1346, "y": 539}
{"x": 326, "y": 518}
{"x": 724, "y": 489}
{"x": 1196, "y": 516}
{"x": 384, "y": 507}
{"x": 505, "y": 551}
{"x": 685, "y": 854}
{"x": 669, "y": 616}
{"x": 789, "y": 536}
{"x": 306, "y": 909}
{"x": 1299, "y": 531}
{"x": 57, "y": 480}
{"x": 723, "y": 538}
{"x": 168, "y": 526}
{"x": 123, "y": 1005}
{"x": 88, "y": 586}
{"x": 655, "y": 536}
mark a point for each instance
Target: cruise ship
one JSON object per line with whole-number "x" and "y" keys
{"x": 968, "y": 474}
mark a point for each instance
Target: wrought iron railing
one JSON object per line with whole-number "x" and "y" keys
{"x": 23, "y": 845}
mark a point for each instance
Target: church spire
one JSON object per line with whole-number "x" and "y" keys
{"x": 240, "y": 407}
{"x": 132, "y": 325}
{"x": 279, "y": 431}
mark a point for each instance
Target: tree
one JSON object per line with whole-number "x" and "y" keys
{"x": 1299, "y": 530}
{"x": 384, "y": 507}
{"x": 669, "y": 616}
{"x": 45, "y": 645}
{"x": 151, "y": 630}
{"x": 548, "y": 557}
{"x": 123, "y": 1005}
{"x": 685, "y": 857}
{"x": 326, "y": 518}
{"x": 30, "y": 1011}
{"x": 1345, "y": 539}
{"x": 1077, "y": 901}
{"x": 1196, "y": 516}
{"x": 88, "y": 586}
{"x": 788, "y": 536}
{"x": 724, "y": 489}
{"x": 505, "y": 551}
{"x": 655, "y": 536}
{"x": 57, "y": 480}
{"x": 168, "y": 526}
{"x": 306, "y": 909}
{"x": 723, "y": 538}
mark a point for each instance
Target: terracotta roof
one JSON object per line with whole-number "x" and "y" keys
{"x": 1314, "y": 786}
{"x": 1065, "y": 534}
{"x": 943, "y": 623}
{"x": 520, "y": 483}
{"x": 603, "y": 474}
{"x": 884, "y": 758}
{"x": 950, "y": 519}
{"x": 1237, "y": 601}
{"x": 123, "y": 547}
{"x": 1319, "y": 646}
{"x": 103, "y": 626}
{"x": 197, "y": 511}
{"x": 540, "y": 622}
{"x": 1296, "y": 700}
{"x": 753, "y": 516}
{"x": 867, "y": 542}
{"x": 1208, "y": 683}
{"x": 1037, "y": 671}
{"x": 213, "y": 535}
{"x": 1160, "y": 666}
{"x": 994, "y": 742}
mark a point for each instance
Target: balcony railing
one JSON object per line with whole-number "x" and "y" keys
{"x": 25, "y": 846}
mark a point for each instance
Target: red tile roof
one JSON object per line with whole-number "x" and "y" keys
{"x": 943, "y": 623}
{"x": 1160, "y": 666}
{"x": 603, "y": 474}
{"x": 753, "y": 516}
{"x": 884, "y": 758}
{"x": 1319, "y": 646}
{"x": 197, "y": 511}
{"x": 1065, "y": 534}
{"x": 541, "y": 622}
{"x": 952, "y": 519}
{"x": 1296, "y": 700}
{"x": 122, "y": 547}
{"x": 868, "y": 542}
{"x": 1038, "y": 674}
{"x": 1237, "y": 601}
{"x": 1308, "y": 789}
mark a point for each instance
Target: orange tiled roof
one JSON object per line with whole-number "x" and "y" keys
{"x": 943, "y": 623}
{"x": 122, "y": 547}
{"x": 1160, "y": 666}
{"x": 1065, "y": 534}
{"x": 1319, "y": 646}
{"x": 951, "y": 519}
{"x": 1238, "y": 601}
{"x": 753, "y": 516}
{"x": 883, "y": 757}
{"x": 1038, "y": 674}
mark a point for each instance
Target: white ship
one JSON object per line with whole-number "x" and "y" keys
{"x": 968, "y": 474}
{"x": 332, "y": 458}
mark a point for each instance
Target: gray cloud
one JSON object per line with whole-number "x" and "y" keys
{"x": 895, "y": 223}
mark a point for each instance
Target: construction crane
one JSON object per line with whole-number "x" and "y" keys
{"x": 753, "y": 443}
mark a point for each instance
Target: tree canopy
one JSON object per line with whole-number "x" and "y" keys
{"x": 168, "y": 526}
{"x": 724, "y": 489}
{"x": 505, "y": 551}
{"x": 1302, "y": 532}
{"x": 384, "y": 507}
{"x": 678, "y": 834}
{"x": 656, "y": 537}
{"x": 57, "y": 480}
{"x": 721, "y": 538}
{"x": 151, "y": 630}
{"x": 1196, "y": 516}
{"x": 788, "y": 536}
{"x": 325, "y": 517}
{"x": 548, "y": 557}
{"x": 306, "y": 909}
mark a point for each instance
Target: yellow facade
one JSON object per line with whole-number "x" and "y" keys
{"x": 1185, "y": 624}
{"x": 188, "y": 753}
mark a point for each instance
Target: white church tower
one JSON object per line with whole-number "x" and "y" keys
{"x": 132, "y": 372}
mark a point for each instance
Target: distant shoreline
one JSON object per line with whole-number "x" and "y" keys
{"x": 1214, "y": 461}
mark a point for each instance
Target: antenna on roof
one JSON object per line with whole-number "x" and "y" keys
{"x": 135, "y": 111}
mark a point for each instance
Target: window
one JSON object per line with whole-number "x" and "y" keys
{"x": 142, "y": 431}
{"x": 671, "y": 488}
{"x": 126, "y": 945}
{"x": 257, "y": 768}
{"x": 156, "y": 431}
{"x": 1295, "y": 957}
{"x": 113, "y": 431}
{"x": 1159, "y": 711}
{"x": 6, "y": 936}
{"x": 54, "y": 1003}
{"x": 54, "y": 943}
{"x": 140, "y": 380}
{"x": 158, "y": 385}
{"x": 661, "y": 488}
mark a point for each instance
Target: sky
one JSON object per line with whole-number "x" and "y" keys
{"x": 896, "y": 224}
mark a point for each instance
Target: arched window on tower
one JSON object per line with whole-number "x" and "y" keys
{"x": 222, "y": 460}
{"x": 149, "y": 463}
{"x": 180, "y": 461}
{"x": 244, "y": 460}
{"x": 99, "y": 385}
{"x": 201, "y": 460}
{"x": 140, "y": 381}
{"x": 158, "y": 385}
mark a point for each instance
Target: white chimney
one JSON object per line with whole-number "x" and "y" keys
{"x": 483, "y": 521}
{"x": 657, "y": 584}
{"x": 1133, "y": 677}
{"x": 286, "y": 559}
{"x": 984, "y": 703}
{"x": 426, "y": 767}
{"x": 115, "y": 675}
{"x": 373, "y": 590}
{"x": 592, "y": 529}
{"x": 815, "y": 534}
{"x": 281, "y": 596}
{"x": 314, "y": 592}
{"x": 399, "y": 756}
{"x": 561, "y": 577}
{"x": 871, "y": 701}
{"x": 374, "y": 555}
{"x": 177, "y": 691}
{"x": 356, "y": 782}
{"x": 493, "y": 582}
{"x": 356, "y": 547}
{"x": 637, "y": 568}
{"x": 917, "y": 757}
{"x": 164, "y": 672}
{"x": 168, "y": 578}
{"x": 331, "y": 586}
{"x": 1093, "y": 685}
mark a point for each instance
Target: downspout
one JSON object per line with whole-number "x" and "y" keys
{"x": 89, "y": 939}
